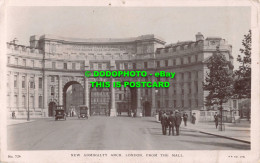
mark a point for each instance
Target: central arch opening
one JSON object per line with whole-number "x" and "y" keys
{"x": 100, "y": 101}
{"x": 73, "y": 97}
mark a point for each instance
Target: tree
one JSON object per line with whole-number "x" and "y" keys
{"x": 242, "y": 83}
{"x": 218, "y": 81}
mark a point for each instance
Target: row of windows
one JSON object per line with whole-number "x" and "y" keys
{"x": 24, "y": 62}
{"x": 24, "y": 103}
{"x": 31, "y": 82}
{"x": 158, "y": 63}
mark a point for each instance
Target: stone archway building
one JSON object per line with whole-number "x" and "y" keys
{"x": 52, "y": 61}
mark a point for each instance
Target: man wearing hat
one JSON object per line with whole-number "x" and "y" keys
{"x": 171, "y": 123}
{"x": 178, "y": 120}
{"x": 164, "y": 123}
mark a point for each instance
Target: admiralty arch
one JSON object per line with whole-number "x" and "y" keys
{"x": 39, "y": 75}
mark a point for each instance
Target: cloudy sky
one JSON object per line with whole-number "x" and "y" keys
{"x": 171, "y": 23}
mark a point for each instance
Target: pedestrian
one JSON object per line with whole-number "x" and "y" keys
{"x": 171, "y": 123}
{"x": 132, "y": 114}
{"x": 216, "y": 119}
{"x": 178, "y": 120}
{"x": 160, "y": 115}
{"x": 13, "y": 115}
{"x": 185, "y": 118}
{"x": 164, "y": 123}
{"x": 193, "y": 118}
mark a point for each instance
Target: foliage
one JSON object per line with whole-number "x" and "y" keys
{"x": 242, "y": 83}
{"x": 218, "y": 80}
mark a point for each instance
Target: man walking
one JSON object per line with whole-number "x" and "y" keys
{"x": 171, "y": 123}
{"x": 216, "y": 120}
{"x": 185, "y": 118}
{"x": 164, "y": 123}
{"x": 177, "y": 122}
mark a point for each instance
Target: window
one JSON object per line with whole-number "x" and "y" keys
{"x": 196, "y": 86}
{"x": 40, "y": 63}
{"x": 181, "y": 61}
{"x": 189, "y": 88}
{"x": 158, "y": 104}
{"x": 32, "y": 63}
{"x": 145, "y": 65}
{"x": 32, "y": 82}
{"x": 65, "y": 66}
{"x": 23, "y": 101}
{"x": 16, "y": 61}
{"x": 32, "y": 102}
{"x": 182, "y": 91}
{"x": 24, "y": 62}
{"x": 182, "y": 76}
{"x": 40, "y": 83}
{"x": 174, "y": 103}
{"x": 23, "y": 82}
{"x": 189, "y": 61}
{"x": 126, "y": 65}
{"x": 91, "y": 66}
{"x": 53, "y": 65}
{"x": 8, "y": 60}
{"x": 15, "y": 81}
{"x": 189, "y": 75}
{"x": 40, "y": 101}
{"x": 189, "y": 102}
{"x": 158, "y": 63}
{"x": 74, "y": 66}
{"x": 52, "y": 79}
{"x": 99, "y": 66}
{"x": 134, "y": 66}
{"x": 167, "y": 103}
{"x": 166, "y": 63}
{"x": 166, "y": 91}
{"x": 196, "y": 58}
{"x": 197, "y": 74}
{"x": 52, "y": 90}
{"x": 182, "y": 103}
{"x": 174, "y": 62}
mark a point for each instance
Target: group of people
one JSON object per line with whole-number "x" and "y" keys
{"x": 171, "y": 121}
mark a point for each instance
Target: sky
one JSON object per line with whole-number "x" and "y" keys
{"x": 170, "y": 23}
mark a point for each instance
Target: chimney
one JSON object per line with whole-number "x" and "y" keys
{"x": 199, "y": 37}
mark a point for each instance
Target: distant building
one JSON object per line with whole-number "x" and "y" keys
{"x": 54, "y": 63}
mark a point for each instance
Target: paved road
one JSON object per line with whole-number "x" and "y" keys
{"x": 109, "y": 133}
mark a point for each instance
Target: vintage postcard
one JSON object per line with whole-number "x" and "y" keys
{"x": 129, "y": 81}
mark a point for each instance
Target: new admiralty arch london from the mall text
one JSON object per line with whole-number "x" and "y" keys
{"x": 50, "y": 72}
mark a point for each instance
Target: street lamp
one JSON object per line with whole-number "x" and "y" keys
{"x": 28, "y": 113}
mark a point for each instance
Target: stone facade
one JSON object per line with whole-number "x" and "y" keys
{"x": 54, "y": 63}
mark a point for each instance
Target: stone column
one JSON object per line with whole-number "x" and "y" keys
{"x": 113, "y": 101}
{"x": 19, "y": 84}
{"x": 45, "y": 96}
{"x": 36, "y": 94}
{"x": 86, "y": 92}
{"x": 139, "y": 105}
{"x": 60, "y": 90}
{"x": 27, "y": 86}
{"x": 11, "y": 84}
{"x": 153, "y": 98}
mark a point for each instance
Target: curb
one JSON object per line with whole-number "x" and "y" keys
{"x": 20, "y": 123}
{"x": 203, "y": 132}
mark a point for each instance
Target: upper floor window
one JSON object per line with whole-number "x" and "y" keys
{"x": 158, "y": 63}
{"x": 32, "y": 63}
{"x": 16, "y": 61}
{"x": 52, "y": 90}
{"x": 54, "y": 65}
{"x": 166, "y": 63}
{"x": 15, "y": 81}
{"x": 189, "y": 60}
{"x": 32, "y": 82}
{"x": 24, "y": 62}
{"x": 65, "y": 66}
{"x": 145, "y": 65}
{"x": 52, "y": 79}
{"x": 74, "y": 66}
{"x": 23, "y": 82}
{"x": 174, "y": 62}
{"x": 126, "y": 65}
{"x": 8, "y": 60}
{"x": 181, "y": 61}
{"x": 134, "y": 65}
{"x": 40, "y": 83}
{"x": 196, "y": 58}
{"x": 99, "y": 66}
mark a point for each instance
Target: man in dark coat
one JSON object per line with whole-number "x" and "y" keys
{"x": 216, "y": 120}
{"x": 177, "y": 122}
{"x": 164, "y": 123}
{"x": 185, "y": 118}
{"x": 160, "y": 115}
{"x": 171, "y": 123}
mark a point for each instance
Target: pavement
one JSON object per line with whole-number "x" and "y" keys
{"x": 17, "y": 121}
{"x": 234, "y": 131}
{"x": 112, "y": 133}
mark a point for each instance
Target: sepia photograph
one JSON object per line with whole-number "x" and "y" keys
{"x": 96, "y": 82}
